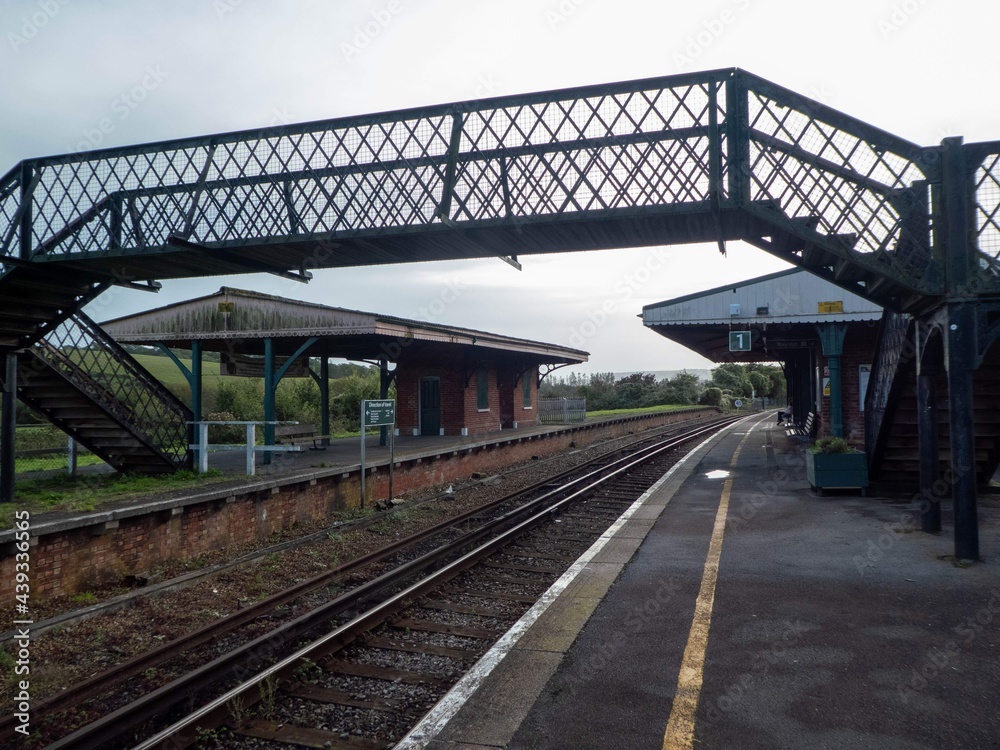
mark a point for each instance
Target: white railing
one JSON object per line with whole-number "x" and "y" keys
{"x": 203, "y": 447}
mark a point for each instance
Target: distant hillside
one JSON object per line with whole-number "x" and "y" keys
{"x": 661, "y": 374}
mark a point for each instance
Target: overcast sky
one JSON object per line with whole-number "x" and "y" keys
{"x": 923, "y": 69}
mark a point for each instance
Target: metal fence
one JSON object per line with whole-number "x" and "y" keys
{"x": 561, "y": 410}
{"x": 42, "y": 450}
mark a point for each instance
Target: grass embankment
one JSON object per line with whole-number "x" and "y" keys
{"x": 91, "y": 491}
{"x": 164, "y": 370}
{"x": 52, "y": 463}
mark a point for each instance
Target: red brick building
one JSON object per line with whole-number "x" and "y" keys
{"x": 465, "y": 391}
{"x": 449, "y": 380}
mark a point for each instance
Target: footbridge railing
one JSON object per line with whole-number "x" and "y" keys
{"x": 984, "y": 161}
{"x": 843, "y": 198}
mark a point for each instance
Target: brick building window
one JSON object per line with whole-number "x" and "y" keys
{"x": 482, "y": 390}
{"x": 527, "y": 378}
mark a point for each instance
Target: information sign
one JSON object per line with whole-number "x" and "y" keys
{"x": 378, "y": 413}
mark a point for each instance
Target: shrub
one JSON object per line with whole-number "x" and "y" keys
{"x": 224, "y": 433}
{"x": 832, "y": 445}
{"x": 712, "y": 396}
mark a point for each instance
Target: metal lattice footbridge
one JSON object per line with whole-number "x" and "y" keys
{"x": 706, "y": 157}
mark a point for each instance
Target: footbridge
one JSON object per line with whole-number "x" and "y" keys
{"x": 708, "y": 157}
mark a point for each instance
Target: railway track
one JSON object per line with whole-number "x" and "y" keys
{"x": 457, "y": 624}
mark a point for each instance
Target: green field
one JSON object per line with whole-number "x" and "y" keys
{"x": 52, "y": 463}
{"x": 164, "y": 370}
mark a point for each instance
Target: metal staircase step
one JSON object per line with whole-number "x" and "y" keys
{"x": 84, "y": 403}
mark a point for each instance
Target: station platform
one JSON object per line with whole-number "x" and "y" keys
{"x": 128, "y": 537}
{"x": 735, "y": 608}
{"x": 346, "y": 452}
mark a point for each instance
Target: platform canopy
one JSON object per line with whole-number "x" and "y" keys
{"x": 238, "y": 321}
{"x": 780, "y": 311}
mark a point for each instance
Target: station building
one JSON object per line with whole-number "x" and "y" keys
{"x": 823, "y": 336}
{"x": 449, "y": 380}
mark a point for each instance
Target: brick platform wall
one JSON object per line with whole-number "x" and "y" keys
{"x": 76, "y": 559}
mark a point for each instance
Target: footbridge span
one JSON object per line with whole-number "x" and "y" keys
{"x": 704, "y": 157}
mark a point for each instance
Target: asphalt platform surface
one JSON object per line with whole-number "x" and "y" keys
{"x": 835, "y": 623}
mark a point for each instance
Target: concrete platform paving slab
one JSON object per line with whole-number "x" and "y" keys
{"x": 835, "y": 623}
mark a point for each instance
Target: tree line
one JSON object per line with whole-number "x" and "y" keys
{"x": 729, "y": 381}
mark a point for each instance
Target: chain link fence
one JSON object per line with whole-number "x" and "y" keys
{"x": 42, "y": 449}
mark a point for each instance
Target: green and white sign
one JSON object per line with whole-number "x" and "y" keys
{"x": 739, "y": 341}
{"x": 378, "y": 413}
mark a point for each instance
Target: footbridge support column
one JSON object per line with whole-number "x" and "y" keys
{"x": 8, "y": 427}
{"x": 831, "y": 336}
{"x": 961, "y": 363}
{"x": 962, "y": 344}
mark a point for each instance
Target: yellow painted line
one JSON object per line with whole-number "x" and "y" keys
{"x": 680, "y": 725}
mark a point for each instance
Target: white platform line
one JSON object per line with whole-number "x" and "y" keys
{"x": 446, "y": 708}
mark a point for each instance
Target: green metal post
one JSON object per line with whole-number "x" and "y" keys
{"x": 193, "y": 377}
{"x": 831, "y": 336}
{"x": 269, "y": 394}
{"x": 8, "y": 428}
{"x": 324, "y": 399}
{"x": 383, "y": 392}
{"x": 962, "y": 345}
{"x": 194, "y": 380}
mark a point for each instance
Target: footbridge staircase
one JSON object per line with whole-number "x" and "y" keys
{"x": 709, "y": 157}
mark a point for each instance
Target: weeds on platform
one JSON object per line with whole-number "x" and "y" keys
{"x": 88, "y": 492}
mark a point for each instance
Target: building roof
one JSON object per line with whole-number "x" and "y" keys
{"x": 238, "y": 320}
{"x": 792, "y": 296}
{"x": 781, "y": 309}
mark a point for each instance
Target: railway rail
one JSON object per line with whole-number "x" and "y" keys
{"x": 493, "y": 601}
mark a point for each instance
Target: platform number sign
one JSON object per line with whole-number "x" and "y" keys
{"x": 739, "y": 341}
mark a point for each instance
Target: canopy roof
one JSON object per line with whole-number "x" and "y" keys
{"x": 781, "y": 310}
{"x": 237, "y": 321}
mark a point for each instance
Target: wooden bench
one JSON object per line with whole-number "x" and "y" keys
{"x": 288, "y": 433}
{"x": 316, "y": 440}
{"x": 807, "y": 430}
{"x": 300, "y": 434}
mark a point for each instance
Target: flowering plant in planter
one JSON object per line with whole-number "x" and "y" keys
{"x": 833, "y": 463}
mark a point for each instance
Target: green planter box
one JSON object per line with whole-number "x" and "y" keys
{"x": 837, "y": 470}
